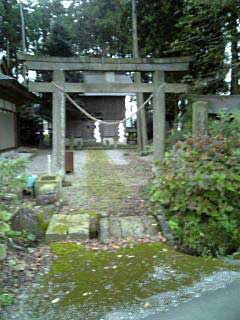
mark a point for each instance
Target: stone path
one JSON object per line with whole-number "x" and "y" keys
{"x": 39, "y": 164}
{"x": 108, "y": 184}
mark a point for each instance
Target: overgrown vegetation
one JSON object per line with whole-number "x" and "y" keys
{"x": 198, "y": 186}
{"x": 11, "y": 175}
{"x": 12, "y": 179}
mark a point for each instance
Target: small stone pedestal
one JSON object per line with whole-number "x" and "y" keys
{"x": 48, "y": 189}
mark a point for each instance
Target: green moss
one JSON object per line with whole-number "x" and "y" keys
{"x": 47, "y": 188}
{"x": 4, "y": 227}
{"x": 44, "y": 218}
{"x": 42, "y": 224}
{"x": 60, "y": 229}
{"x": 104, "y": 182}
{"x": 5, "y": 215}
{"x": 98, "y": 281}
{"x": 93, "y": 214}
{"x": 6, "y": 299}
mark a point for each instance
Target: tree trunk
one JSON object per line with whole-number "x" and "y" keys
{"x": 234, "y": 51}
{"x": 24, "y": 46}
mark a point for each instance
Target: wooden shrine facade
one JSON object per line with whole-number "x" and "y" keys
{"x": 60, "y": 65}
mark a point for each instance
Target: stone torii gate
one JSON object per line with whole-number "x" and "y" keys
{"x": 58, "y": 65}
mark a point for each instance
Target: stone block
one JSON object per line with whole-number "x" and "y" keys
{"x": 48, "y": 184}
{"x": 34, "y": 220}
{"x": 136, "y": 227}
{"x": 26, "y": 219}
{"x": 69, "y": 227}
{"x": 48, "y": 189}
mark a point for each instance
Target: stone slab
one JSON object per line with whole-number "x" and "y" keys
{"x": 68, "y": 227}
{"x": 136, "y": 227}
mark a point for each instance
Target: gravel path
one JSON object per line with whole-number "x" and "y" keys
{"x": 40, "y": 163}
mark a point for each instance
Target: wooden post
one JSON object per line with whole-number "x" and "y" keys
{"x": 58, "y": 126}
{"x": 159, "y": 116}
{"x": 200, "y": 119}
{"x": 141, "y": 117}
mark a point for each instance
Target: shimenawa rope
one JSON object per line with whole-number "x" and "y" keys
{"x": 88, "y": 115}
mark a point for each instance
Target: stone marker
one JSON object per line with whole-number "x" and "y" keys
{"x": 136, "y": 227}
{"x": 200, "y": 119}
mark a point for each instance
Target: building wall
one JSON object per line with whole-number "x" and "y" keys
{"x": 7, "y": 125}
{"x": 108, "y": 108}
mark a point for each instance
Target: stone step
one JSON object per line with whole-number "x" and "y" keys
{"x": 84, "y": 226}
{"x": 69, "y": 227}
{"x": 135, "y": 227}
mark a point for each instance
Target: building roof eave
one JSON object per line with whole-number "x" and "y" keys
{"x": 15, "y": 92}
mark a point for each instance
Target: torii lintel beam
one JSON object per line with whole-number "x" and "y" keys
{"x": 104, "y": 64}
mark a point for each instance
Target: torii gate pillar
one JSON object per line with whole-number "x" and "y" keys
{"x": 58, "y": 125}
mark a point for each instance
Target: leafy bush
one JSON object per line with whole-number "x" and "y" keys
{"x": 11, "y": 175}
{"x": 11, "y": 180}
{"x": 6, "y": 299}
{"x": 147, "y": 151}
{"x": 198, "y": 185}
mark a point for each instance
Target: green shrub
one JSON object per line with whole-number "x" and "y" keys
{"x": 6, "y": 299}
{"x": 198, "y": 186}
{"x": 12, "y": 177}
{"x": 147, "y": 151}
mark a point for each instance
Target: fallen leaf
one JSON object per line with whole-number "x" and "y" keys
{"x": 147, "y": 305}
{"x": 55, "y": 300}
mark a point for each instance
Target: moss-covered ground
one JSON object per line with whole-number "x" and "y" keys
{"x": 87, "y": 284}
{"x": 105, "y": 183}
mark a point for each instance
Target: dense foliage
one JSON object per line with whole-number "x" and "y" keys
{"x": 11, "y": 175}
{"x": 199, "y": 28}
{"x": 206, "y": 28}
{"x": 12, "y": 179}
{"x": 10, "y": 28}
{"x": 198, "y": 186}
